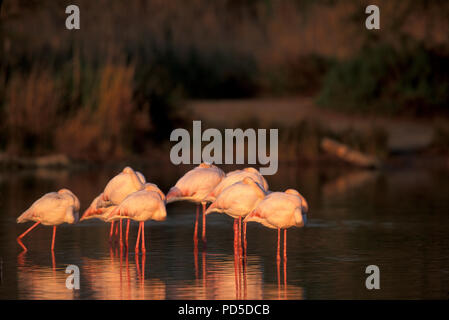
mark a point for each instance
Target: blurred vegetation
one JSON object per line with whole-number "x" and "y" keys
{"x": 382, "y": 79}
{"x": 118, "y": 86}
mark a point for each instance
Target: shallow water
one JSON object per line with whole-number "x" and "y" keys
{"x": 397, "y": 220}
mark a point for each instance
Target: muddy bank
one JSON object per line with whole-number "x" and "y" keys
{"x": 50, "y": 161}
{"x": 404, "y": 134}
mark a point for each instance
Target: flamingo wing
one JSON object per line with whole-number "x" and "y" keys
{"x": 46, "y": 204}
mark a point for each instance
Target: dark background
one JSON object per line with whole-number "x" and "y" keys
{"x": 136, "y": 69}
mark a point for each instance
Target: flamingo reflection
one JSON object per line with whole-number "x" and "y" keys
{"x": 102, "y": 275}
{"x": 223, "y": 281}
{"x": 41, "y": 281}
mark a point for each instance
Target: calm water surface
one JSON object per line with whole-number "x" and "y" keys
{"x": 397, "y": 220}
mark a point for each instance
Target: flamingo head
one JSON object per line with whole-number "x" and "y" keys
{"x": 300, "y": 217}
{"x": 256, "y": 186}
{"x": 205, "y": 165}
{"x": 293, "y": 192}
{"x": 251, "y": 169}
{"x": 71, "y": 215}
{"x": 153, "y": 187}
{"x": 174, "y": 194}
{"x": 62, "y": 191}
{"x": 211, "y": 208}
{"x": 128, "y": 170}
{"x": 248, "y": 180}
{"x": 304, "y": 204}
{"x": 210, "y": 197}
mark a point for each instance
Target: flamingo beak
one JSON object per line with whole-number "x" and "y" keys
{"x": 210, "y": 209}
{"x": 85, "y": 215}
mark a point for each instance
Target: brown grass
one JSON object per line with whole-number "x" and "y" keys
{"x": 104, "y": 128}
{"x": 32, "y": 110}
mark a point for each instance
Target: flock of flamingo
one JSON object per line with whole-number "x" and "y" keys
{"x": 241, "y": 194}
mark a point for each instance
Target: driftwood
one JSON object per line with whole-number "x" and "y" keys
{"x": 348, "y": 154}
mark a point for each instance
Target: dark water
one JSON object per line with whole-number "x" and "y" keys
{"x": 397, "y": 220}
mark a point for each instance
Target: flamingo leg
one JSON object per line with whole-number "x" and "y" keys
{"x": 121, "y": 240}
{"x": 285, "y": 245}
{"x": 195, "y": 256}
{"x": 24, "y": 234}
{"x": 240, "y": 236}
{"x": 204, "y": 268}
{"x": 53, "y": 261}
{"x": 112, "y": 230}
{"x": 239, "y": 252}
{"x": 278, "y": 264}
{"x": 116, "y": 230}
{"x": 235, "y": 233}
{"x": 278, "y": 256}
{"x": 111, "y": 253}
{"x": 236, "y": 273}
{"x": 285, "y": 263}
{"x": 138, "y": 237}
{"x": 143, "y": 271}
{"x": 244, "y": 278}
{"x": 127, "y": 232}
{"x": 204, "y": 222}
{"x": 121, "y": 273}
{"x": 53, "y": 239}
{"x": 244, "y": 237}
{"x": 138, "y": 263}
{"x": 195, "y": 234}
{"x": 143, "y": 237}
{"x": 128, "y": 275}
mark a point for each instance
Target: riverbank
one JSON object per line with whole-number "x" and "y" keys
{"x": 393, "y": 141}
{"x": 404, "y": 134}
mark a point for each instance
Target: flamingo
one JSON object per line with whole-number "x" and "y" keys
{"x": 141, "y": 206}
{"x": 123, "y": 184}
{"x": 51, "y": 209}
{"x": 98, "y": 209}
{"x": 238, "y": 200}
{"x": 195, "y": 186}
{"x": 236, "y": 176}
{"x": 281, "y": 210}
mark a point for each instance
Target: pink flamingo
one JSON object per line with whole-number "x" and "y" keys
{"x": 123, "y": 184}
{"x": 116, "y": 190}
{"x": 51, "y": 209}
{"x": 141, "y": 206}
{"x": 238, "y": 200}
{"x": 195, "y": 186}
{"x": 281, "y": 210}
{"x": 236, "y": 176}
